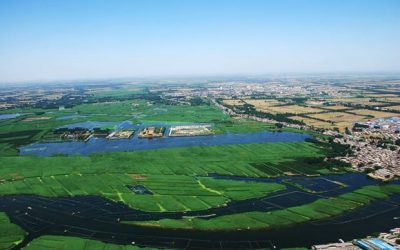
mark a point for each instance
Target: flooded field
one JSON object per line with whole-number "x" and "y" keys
{"x": 98, "y": 218}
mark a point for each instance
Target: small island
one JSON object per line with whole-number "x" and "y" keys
{"x": 151, "y": 132}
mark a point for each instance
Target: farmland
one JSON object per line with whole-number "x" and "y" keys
{"x": 332, "y": 113}
{"x": 11, "y": 234}
{"x": 186, "y": 166}
{"x": 320, "y": 209}
{"x": 65, "y": 243}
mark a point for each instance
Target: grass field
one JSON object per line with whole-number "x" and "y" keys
{"x": 108, "y": 174}
{"x": 10, "y": 234}
{"x": 317, "y": 210}
{"x": 50, "y": 242}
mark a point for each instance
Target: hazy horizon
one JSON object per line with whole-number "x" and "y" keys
{"x": 73, "y": 40}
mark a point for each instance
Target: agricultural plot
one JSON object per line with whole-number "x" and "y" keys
{"x": 51, "y": 242}
{"x": 196, "y": 114}
{"x": 245, "y": 126}
{"x": 314, "y": 185}
{"x": 381, "y": 96}
{"x": 263, "y": 105}
{"x": 172, "y": 175}
{"x": 168, "y": 192}
{"x": 361, "y": 101}
{"x": 390, "y": 99}
{"x": 320, "y": 209}
{"x": 116, "y": 93}
{"x": 374, "y": 113}
{"x": 340, "y": 120}
{"x": 275, "y": 107}
{"x": 397, "y": 108}
{"x": 312, "y": 122}
{"x": 10, "y": 234}
{"x": 224, "y": 159}
{"x": 294, "y": 109}
{"x": 233, "y": 102}
{"x": 335, "y": 107}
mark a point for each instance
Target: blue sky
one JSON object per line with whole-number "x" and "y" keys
{"x": 75, "y": 39}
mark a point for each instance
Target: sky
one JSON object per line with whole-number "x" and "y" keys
{"x": 75, "y": 39}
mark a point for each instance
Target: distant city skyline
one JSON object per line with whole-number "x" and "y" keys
{"x": 65, "y": 40}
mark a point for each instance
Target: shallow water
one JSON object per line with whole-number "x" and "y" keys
{"x": 98, "y": 218}
{"x": 9, "y": 116}
{"x": 104, "y": 145}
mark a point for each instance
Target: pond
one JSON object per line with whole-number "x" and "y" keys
{"x": 9, "y": 116}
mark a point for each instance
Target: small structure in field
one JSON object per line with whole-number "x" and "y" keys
{"x": 151, "y": 132}
{"x": 123, "y": 134}
{"x": 191, "y": 130}
{"x": 75, "y": 134}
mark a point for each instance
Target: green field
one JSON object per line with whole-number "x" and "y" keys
{"x": 317, "y": 210}
{"x": 73, "y": 243}
{"x": 10, "y": 234}
{"x": 158, "y": 170}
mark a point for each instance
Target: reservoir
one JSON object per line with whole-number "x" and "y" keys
{"x": 95, "y": 144}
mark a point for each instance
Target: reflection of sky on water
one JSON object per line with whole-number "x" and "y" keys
{"x": 104, "y": 145}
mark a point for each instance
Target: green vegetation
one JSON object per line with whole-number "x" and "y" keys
{"x": 50, "y": 242}
{"x": 170, "y": 192}
{"x": 10, "y": 234}
{"x": 243, "y": 126}
{"x": 158, "y": 170}
{"x": 317, "y": 210}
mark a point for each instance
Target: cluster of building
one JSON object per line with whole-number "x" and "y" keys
{"x": 387, "y": 126}
{"x": 369, "y": 154}
{"x": 385, "y": 241}
{"x": 380, "y": 163}
{"x": 151, "y": 132}
{"x": 40, "y": 96}
{"x": 376, "y": 148}
{"x": 275, "y": 87}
